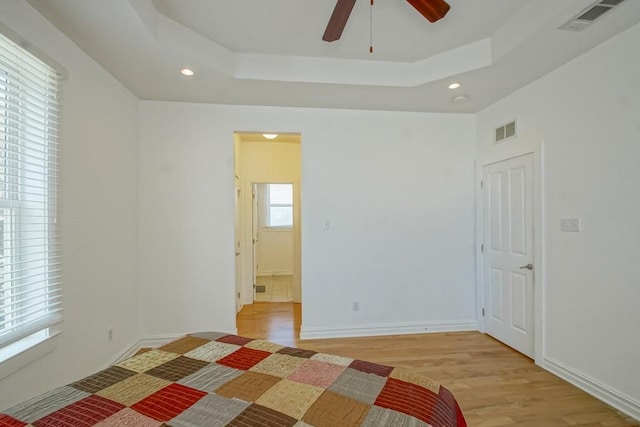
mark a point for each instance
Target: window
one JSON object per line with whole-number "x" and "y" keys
{"x": 30, "y": 295}
{"x": 280, "y": 205}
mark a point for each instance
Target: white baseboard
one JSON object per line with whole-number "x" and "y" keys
{"x": 125, "y": 353}
{"x": 612, "y": 397}
{"x": 370, "y": 330}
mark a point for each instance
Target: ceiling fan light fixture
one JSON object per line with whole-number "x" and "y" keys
{"x": 270, "y": 135}
{"x": 433, "y": 10}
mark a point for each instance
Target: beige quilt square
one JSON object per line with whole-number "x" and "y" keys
{"x": 290, "y": 398}
{"x": 264, "y": 346}
{"x": 148, "y": 360}
{"x": 213, "y": 351}
{"x": 133, "y": 389}
{"x": 279, "y": 365}
{"x": 330, "y": 358}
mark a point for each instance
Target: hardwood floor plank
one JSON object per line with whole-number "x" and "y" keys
{"x": 494, "y": 384}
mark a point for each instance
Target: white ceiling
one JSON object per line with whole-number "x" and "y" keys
{"x": 270, "y": 52}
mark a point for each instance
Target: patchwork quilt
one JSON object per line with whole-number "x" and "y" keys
{"x": 217, "y": 379}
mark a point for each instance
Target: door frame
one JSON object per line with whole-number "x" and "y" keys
{"x": 540, "y": 275}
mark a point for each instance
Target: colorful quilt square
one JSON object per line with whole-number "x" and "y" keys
{"x": 298, "y": 352}
{"x": 279, "y": 365}
{"x": 235, "y": 339}
{"x": 86, "y": 412}
{"x": 415, "y": 378}
{"x": 168, "y": 402}
{"x": 47, "y": 403}
{"x": 211, "y": 410}
{"x": 446, "y": 408}
{"x": 209, "y": 336}
{"x": 184, "y": 345}
{"x": 177, "y": 369}
{"x": 319, "y": 374}
{"x": 386, "y": 417}
{"x": 409, "y": 398}
{"x": 212, "y": 351}
{"x": 371, "y": 368}
{"x": 128, "y": 417}
{"x": 103, "y": 379}
{"x": 257, "y": 415}
{"x": 7, "y": 421}
{"x": 244, "y": 358}
{"x": 149, "y": 360}
{"x": 248, "y": 386}
{"x": 133, "y": 389}
{"x": 330, "y": 358}
{"x": 271, "y": 347}
{"x": 358, "y": 385}
{"x": 211, "y": 377}
{"x": 331, "y": 409}
{"x": 291, "y": 398}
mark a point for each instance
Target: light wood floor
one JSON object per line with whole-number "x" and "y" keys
{"x": 494, "y": 385}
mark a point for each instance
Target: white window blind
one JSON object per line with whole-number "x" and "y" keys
{"x": 30, "y": 293}
{"x": 280, "y": 212}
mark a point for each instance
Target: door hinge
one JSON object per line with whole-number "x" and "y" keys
{"x": 481, "y": 185}
{"x": 482, "y": 248}
{"x": 483, "y": 312}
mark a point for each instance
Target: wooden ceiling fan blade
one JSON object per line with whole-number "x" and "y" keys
{"x": 433, "y": 10}
{"x": 338, "y": 20}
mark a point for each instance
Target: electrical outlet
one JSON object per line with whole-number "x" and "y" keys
{"x": 356, "y": 306}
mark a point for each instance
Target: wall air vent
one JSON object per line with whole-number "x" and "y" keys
{"x": 506, "y": 131}
{"x": 587, "y": 17}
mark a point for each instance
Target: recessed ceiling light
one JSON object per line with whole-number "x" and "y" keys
{"x": 270, "y": 135}
{"x": 187, "y": 72}
{"x": 459, "y": 98}
{"x": 454, "y": 85}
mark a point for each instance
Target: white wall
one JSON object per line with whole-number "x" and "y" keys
{"x": 396, "y": 187}
{"x": 587, "y": 115}
{"x": 97, "y": 214}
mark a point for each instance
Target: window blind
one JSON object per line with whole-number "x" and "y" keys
{"x": 280, "y": 205}
{"x": 30, "y": 268}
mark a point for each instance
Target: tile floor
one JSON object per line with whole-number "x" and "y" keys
{"x": 277, "y": 289}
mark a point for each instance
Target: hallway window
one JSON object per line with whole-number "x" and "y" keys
{"x": 280, "y": 212}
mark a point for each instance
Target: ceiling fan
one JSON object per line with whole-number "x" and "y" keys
{"x": 433, "y": 10}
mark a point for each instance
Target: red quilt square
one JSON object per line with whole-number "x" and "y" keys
{"x": 408, "y": 398}
{"x": 168, "y": 402}
{"x": 371, "y": 368}
{"x": 86, "y": 412}
{"x": 7, "y": 421}
{"x": 234, "y": 339}
{"x": 244, "y": 358}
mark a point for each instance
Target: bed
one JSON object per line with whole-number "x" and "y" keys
{"x": 217, "y": 379}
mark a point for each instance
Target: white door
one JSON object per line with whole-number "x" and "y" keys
{"x": 238, "y": 236}
{"x": 254, "y": 228}
{"x": 508, "y": 260}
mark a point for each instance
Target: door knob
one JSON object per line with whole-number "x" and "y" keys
{"x": 528, "y": 266}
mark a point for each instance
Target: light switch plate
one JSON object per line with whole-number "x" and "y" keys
{"x": 570, "y": 224}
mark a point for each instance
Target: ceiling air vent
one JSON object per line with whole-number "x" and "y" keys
{"x": 506, "y": 131}
{"x": 585, "y": 18}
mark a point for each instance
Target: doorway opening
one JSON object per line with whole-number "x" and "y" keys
{"x": 268, "y": 220}
{"x": 272, "y": 229}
